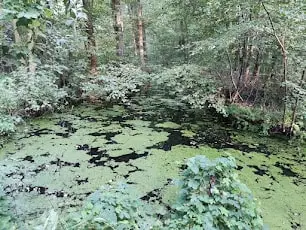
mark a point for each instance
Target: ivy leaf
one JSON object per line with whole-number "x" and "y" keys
{"x": 223, "y": 211}
{"x": 193, "y": 165}
{"x": 193, "y": 184}
{"x": 31, "y": 14}
{"x": 48, "y": 13}
{"x": 34, "y": 24}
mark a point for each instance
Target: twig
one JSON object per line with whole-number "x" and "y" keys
{"x": 273, "y": 28}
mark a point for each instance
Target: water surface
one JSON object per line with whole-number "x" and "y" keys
{"x": 61, "y": 158}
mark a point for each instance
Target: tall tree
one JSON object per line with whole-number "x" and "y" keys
{"x": 139, "y": 31}
{"x": 118, "y": 26}
{"x": 91, "y": 40}
{"x": 141, "y": 34}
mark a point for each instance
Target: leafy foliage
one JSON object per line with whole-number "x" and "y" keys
{"x": 250, "y": 118}
{"x": 234, "y": 56}
{"x": 191, "y": 84}
{"x": 7, "y": 124}
{"x": 114, "y": 208}
{"x": 48, "y": 221}
{"x": 117, "y": 82}
{"x": 237, "y": 43}
{"x": 212, "y": 197}
{"x": 37, "y": 91}
{"x": 23, "y": 93}
{"x": 215, "y": 51}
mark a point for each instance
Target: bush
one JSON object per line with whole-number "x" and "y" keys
{"x": 23, "y": 93}
{"x": 117, "y": 83}
{"x": 8, "y": 95}
{"x": 7, "y": 124}
{"x": 192, "y": 85}
{"x": 37, "y": 91}
{"x": 114, "y": 208}
{"x": 211, "y": 197}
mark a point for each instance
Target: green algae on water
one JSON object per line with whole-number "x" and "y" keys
{"x": 168, "y": 125}
{"x": 62, "y": 158}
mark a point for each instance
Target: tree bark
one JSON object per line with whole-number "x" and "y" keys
{"x": 17, "y": 38}
{"x": 285, "y": 64}
{"x": 243, "y": 54}
{"x": 296, "y": 104}
{"x": 141, "y": 35}
{"x": 134, "y": 34}
{"x": 118, "y": 27}
{"x": 91, "y": 40}
{"x": 183, "y": 40}
{"x": 31, "y": 44}
{"x": 256, "y": 67}
{"x": 139, "y": 32}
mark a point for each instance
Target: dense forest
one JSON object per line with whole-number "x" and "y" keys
{"x": 135, "y": 95}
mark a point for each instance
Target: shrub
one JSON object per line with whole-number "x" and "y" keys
{"x": 192, "y": 85}
{"x": 114, "y": 208}
{"x": 7, "y": 124}
{"x": 23, "y": 93}
{"x": 37, "y": 91}
{"x": 212, "y": 197}
{"x": 8, "y": 98}
{"x": 116, "y": 83}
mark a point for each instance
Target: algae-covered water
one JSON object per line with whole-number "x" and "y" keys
{"x": 58, "y": 160}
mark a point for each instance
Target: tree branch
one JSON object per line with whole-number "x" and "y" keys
{"x": 273, "y": 28}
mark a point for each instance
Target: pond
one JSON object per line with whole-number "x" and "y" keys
{"x": 58, "y": 160}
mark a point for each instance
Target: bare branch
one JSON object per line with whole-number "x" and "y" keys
{"x": 273, "y": 28}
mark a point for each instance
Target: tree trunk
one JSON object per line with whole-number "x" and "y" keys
{"x": 243, "y": 55}
{"x": 256, "y": 67}
{"x": 183, "y": 39}
{"x": 91, "y": 41}
{"x": 296, "y": 105}
{"x": 141, "y": 35}
{"x": 139, "y": 31}
{"x": 285, "y": 63}
{"x": 31, "y": 44}
{"x": 134, "y": 34}
{"x": 118, "y": 27}
{"x": 247, "y": 67}
{"x": 17, "y": 38}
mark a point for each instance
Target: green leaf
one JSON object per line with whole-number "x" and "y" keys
{"x": 31, "y": 14}
{"x": 193, "y": 184}
{"x": 48, "y": 13}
